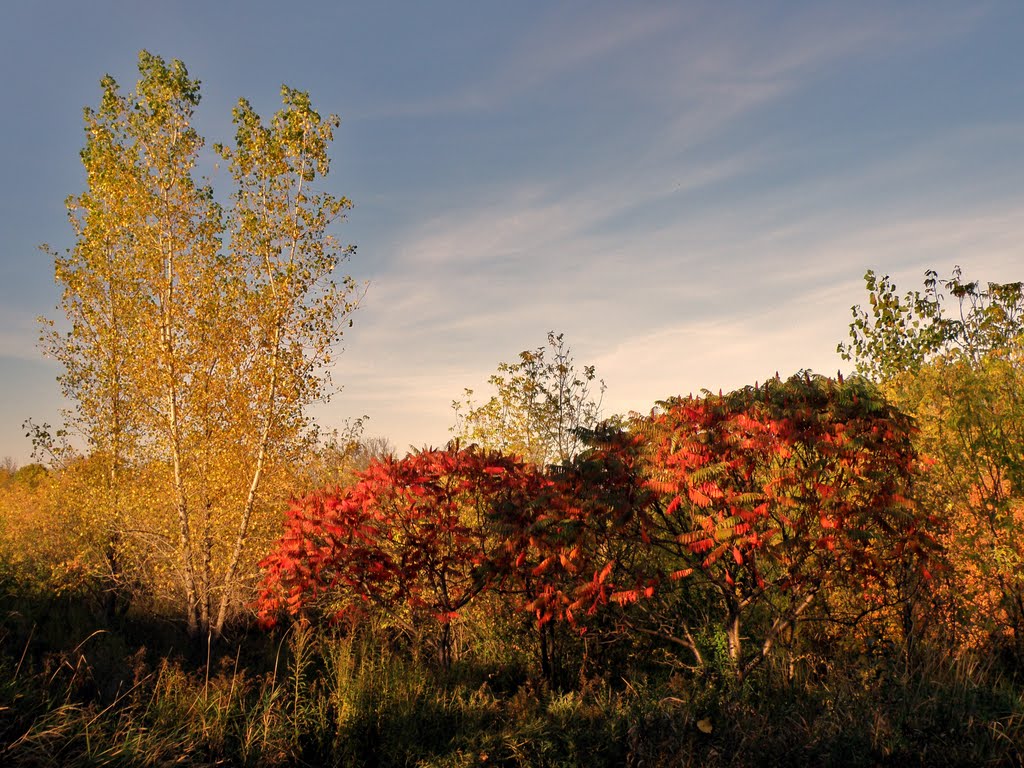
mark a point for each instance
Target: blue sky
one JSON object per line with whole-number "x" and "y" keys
{"x": 691, "y": 192}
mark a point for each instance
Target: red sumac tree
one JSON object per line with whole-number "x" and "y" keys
{"x": 414, "y": 530}
{"x": 772, "y": 494}
{"x": 559, "y": 553}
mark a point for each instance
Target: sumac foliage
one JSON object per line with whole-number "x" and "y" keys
{"x": 757, "y": 504}
{"x": 412, "y": 531}
{"x": 739, "y": 512}
{"x": 560, "y": 550}
{"x": 772, "y": 494}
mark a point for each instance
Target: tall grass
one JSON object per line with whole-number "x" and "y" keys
{"x": 364, "y": 697}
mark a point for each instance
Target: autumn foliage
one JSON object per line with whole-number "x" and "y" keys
{"x": 768, "y": 497}
{"x": 772, "y": 495}
{"x": 951, "y": 357}
{"x": 410, "y": 531}
{"x": 854, "y": 542}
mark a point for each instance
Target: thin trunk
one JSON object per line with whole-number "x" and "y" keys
{"x": 114, "y": 477}
{"x": 205, "y": 576}
{"x": 271, "y": 415}
{"x": 735, "y": 641}
{"x": 778, "y": 628}
{"x": 174, "y": 425}
{"x": 206, "y": 572}
{"x": 444, "y": 651}
{"x": 686, "y": 642}
{"x": 546, "y": 652}
{"x": 254, "y": 486}
{"x": 181, "y": 505}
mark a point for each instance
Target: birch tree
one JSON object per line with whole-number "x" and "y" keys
{"x": 197, "y": 338}
{"x": 292, "y": 311}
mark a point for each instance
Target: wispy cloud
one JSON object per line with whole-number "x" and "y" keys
{"x": 753, "y": 303}
{"x": 699, "y": 69}
{"x": 663, "y": 254}
{"x": 567, "y": 40}
{"x": 557, "y": 44}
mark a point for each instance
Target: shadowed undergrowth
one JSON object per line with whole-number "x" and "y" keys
{"x": 313, "y": 697}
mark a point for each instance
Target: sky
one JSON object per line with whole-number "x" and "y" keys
{"x": 690, "y": 192}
